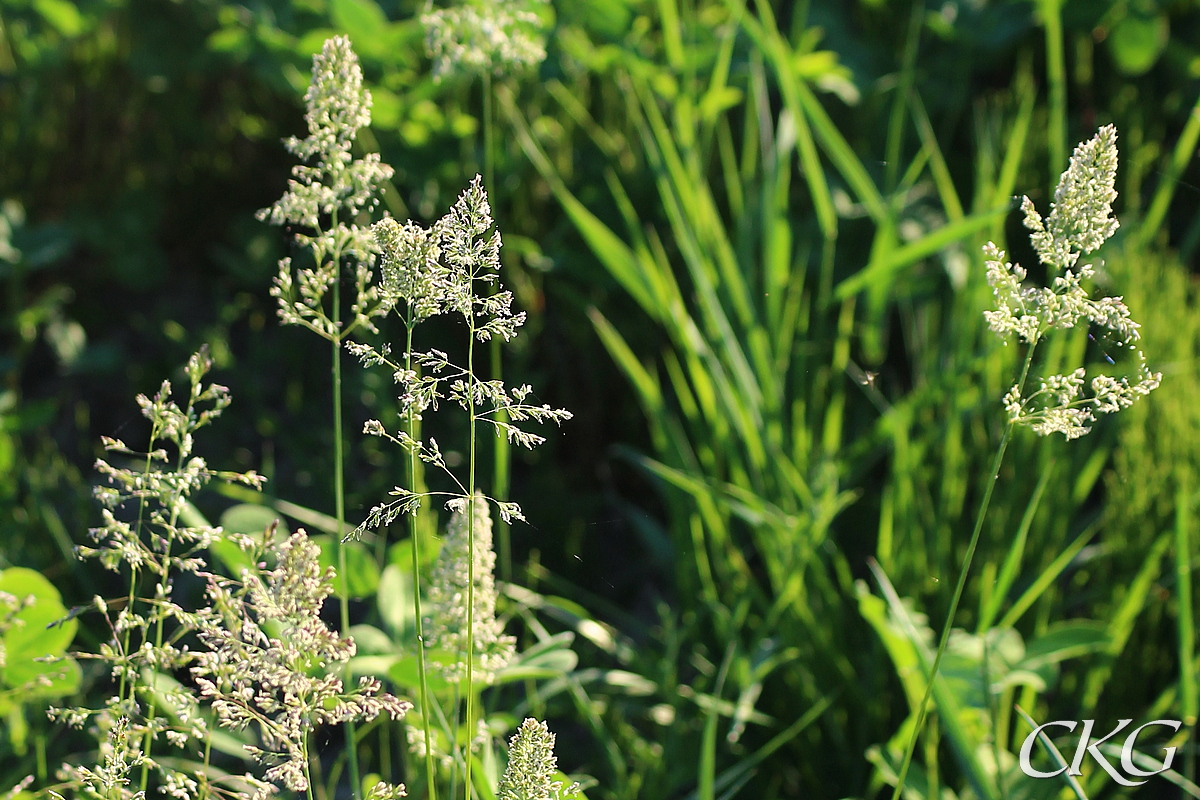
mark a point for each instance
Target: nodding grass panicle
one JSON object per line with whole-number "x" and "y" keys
{"x": 1080, "y": 221}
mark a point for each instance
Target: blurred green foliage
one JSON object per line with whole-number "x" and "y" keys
{"x": 748, "y": 239}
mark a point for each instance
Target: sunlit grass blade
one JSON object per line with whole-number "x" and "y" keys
{"x": 1054, "y": 754}
{"x": 1122, "y": 619}
{"x": 1184, "y": 522}
{"x": 1012, "y": 561}
{"x": 1045, "y": 579}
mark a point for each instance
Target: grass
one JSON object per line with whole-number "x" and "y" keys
{"x": 801, "y": 327}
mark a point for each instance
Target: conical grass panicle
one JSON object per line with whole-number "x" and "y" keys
{"x": 1080, "y": 217}
{"x": 446, "y": 624}
{"x": 532, "y": 765}
{"x": 337, "y": 107}
{"x": 1080, "y": 221}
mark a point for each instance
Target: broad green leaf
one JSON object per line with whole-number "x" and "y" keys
{"x": 365, "y": 23}
{"x": 362, "y": 573}
{"x": 1065, "y": 640}
{"x": 62, "y": 15}
{"x": 369, "y": 640}
{"x": 395, "y": 600}
{"x": 1137, "y": 40}
{"x": 39, "y": 631}
{"x": 404, "y": 671}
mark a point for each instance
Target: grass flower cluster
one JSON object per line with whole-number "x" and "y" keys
{"x": 1080, "y": 221}
{"x": 529, "y": 774}
{"x": 460, "y": 573}
{"x": 257, "y": 653}
{"x": 272, "y": 662}
{"x": 485, "y": 36}
{"x": 450, "y": 268}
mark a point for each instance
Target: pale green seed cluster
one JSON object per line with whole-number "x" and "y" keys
{"x": 337, "y": 108}
{"x": 411, "y": 266}
{"x": 271, "y": 662}
{"x": 1080, "y": 221}
{"x": 482, "y": 36}
{"x": 327, "y": 194}
{"x": 531, "y": 766}
{"x": 446, "y": 626}
{"x": 437, "y": 271}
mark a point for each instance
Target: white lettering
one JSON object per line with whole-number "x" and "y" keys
{"x": 1127, "y": 749}
{"x": 1027, "y": 749}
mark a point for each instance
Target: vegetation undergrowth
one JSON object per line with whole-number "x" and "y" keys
{"x": 254, "y": 655}
{"x": 823, "y": 557}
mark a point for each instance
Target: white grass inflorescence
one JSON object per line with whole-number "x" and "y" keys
{"x": 446, "y": 621}
{"x": 529, "y": 774}
{"x": 1080, "y": 221}
{"x": 480, "y": 36}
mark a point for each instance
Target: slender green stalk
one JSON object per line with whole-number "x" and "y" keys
{"x": 1185, "y": 149}
{"x": 339, "y": 492}
{"x": 502, "y": 451}
{"x": 308, "y": 791}
{"x": 1056, "y": 75}
{"x": 471, "y": 388}
{"x": 1186, "y": 620}
{"x": 133, "y": 570}
{"x": 958, "y": 589}
{"x": 410, "y": 427}
{"x": 160, "y": 594}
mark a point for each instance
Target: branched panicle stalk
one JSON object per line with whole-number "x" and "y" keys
{"x": 145, "y": 629}
{"x": 488, "y": 39}
{"x": 1080, "y": 221}
{"x": 264, "y": 656}
{"x": 453, "y": 268}
{"x": 327, "y": 195}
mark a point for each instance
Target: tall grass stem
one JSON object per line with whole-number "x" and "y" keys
{"x": 993, "y": 476}
{"x": 1056, "y": 74}
{"x": 339, "y": 493}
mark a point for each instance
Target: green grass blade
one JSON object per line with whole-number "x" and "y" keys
{"x": 1056, "y": 75}
{"x": 1043, "y": 581}
{"x": 1184, "y": 151}
{"x": 1054, "y": 754}
{"x": 950, "y": 711}
{"x": 708, "y": 747}
{"x": 1120, "y": 625}
{"x": 746, "y": 765}
{"x": 1014, "y": 149}
{"x": 937, "y": 162}
{"x": 1183, "y": 580}
{"x": 1012, "y": 561}
{"x": 882, "y": 268}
